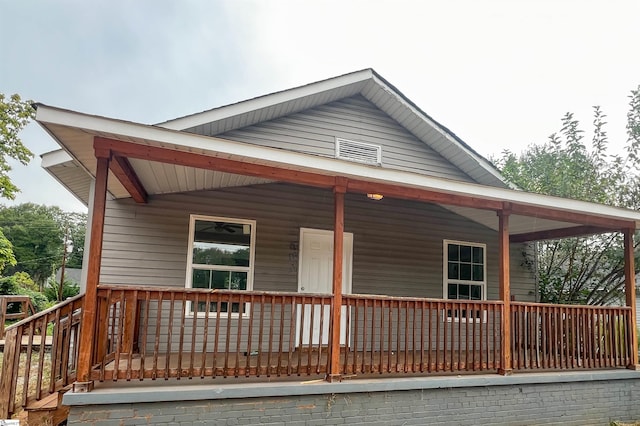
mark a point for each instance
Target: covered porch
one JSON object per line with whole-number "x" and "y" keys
{"x": 147, "y": 333}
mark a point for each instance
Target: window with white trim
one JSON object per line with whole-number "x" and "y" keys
{"x": 465, "y": 274}
{"x": 221, "y": 253}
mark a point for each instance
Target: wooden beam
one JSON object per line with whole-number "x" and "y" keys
{"x": 573, "y": 217}
{"x": 338, "y": 255}
{"x": 200, "y": 161}
{"x": 630, "y": 293}
{"x": 553, "y": 234}
{"x": 417, "y": 194}
{"x": 89, "y": 308}
{"x": 505, "y": 290}
{"x": 121, "y": 169}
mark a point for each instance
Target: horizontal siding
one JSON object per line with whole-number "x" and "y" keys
{"x": 397, "y": 243}
{"x": 314, "y": 131}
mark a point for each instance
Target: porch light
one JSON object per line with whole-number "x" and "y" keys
{"x": 376, "y": 197}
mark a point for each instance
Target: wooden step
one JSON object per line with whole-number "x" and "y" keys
{"x": 47, "y": 411}
{"x": 51, "y": 402}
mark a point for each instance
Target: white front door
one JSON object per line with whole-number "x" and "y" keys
{"x": 315, "y": 275}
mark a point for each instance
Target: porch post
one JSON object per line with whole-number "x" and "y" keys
{"x": 89, "y": 308}
{"x": 630, "y": 293}
{"x": 336, "y": 307}
{"x": 505, "y": 289}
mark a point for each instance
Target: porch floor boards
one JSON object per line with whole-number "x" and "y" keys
{"x": 298, "y": 363}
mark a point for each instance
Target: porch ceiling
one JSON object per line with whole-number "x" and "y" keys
{"x": 218, "y": 159}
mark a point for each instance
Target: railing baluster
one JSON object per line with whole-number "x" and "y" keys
{"x": 389, "y": 305}
{"x": 181, "y": 328}
{"x": 440, "y": 314}
{"x": 195, "y": 307}
{"x": 205, "y": 336}
{"x": 452, "y": 330}
{"x": 397, "y": 366}
{"x": 260, "y": 335}
{"x": 142, "y": 344}
{"x": 373, "y": 336}
{"x": 156, "y": 342}
{"x": 365, "y": 333}
{"x": 299, "y": 341}
{"x": 304, "y": 326}
{"x": 240, "y": 319}
{"x": 270, "y": 341}
{"x": 292, "y": 328}
{"x": 347, "y": 323}
{"x": 423, "y": 331}
{"x": 249, "y": 354}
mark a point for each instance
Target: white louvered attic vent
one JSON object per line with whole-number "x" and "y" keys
{"x": 358, "y": 151}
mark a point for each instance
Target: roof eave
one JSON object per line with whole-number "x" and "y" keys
{"x": 156, "y": 136}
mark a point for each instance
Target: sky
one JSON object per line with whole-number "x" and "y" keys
{"x": 499, "y": 74}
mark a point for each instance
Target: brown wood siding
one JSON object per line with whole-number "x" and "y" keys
{"x": 314, "y": 131}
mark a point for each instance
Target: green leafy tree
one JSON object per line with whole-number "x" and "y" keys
{"x": 37, "y": 239}
{"x": 37, "y": 233}
{"x": 75, "y": 226}
{"x": 586, "y": 270}
{"x": 7, "y": 258}
{"x": 15, "y": 114}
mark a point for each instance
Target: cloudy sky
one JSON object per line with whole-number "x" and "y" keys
{"x": 500, "y": 74}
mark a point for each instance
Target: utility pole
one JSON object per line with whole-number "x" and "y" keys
{"x": 64, "y": 263}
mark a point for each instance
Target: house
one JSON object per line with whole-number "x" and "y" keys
{"x": 321, "y": 247}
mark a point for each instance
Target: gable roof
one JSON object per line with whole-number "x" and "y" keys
{"x": 159, "y": 150}
{"x": 372, "y": 87}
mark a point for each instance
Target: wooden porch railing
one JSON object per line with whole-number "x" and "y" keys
{"x": 26, "y": 310}
{"x": 150, "y": 333}
{"x": 154, "y": 333}
{"x": 416, "y": 335}
{"x": 568, "y": 337}
{"x": 39, "y": 356}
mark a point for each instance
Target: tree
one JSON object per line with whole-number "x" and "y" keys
{"x": 36, "y": 237}
{"x": 15, "y": 114}
{"x": 75, "y": 226}
{"x": 7, "y": 258}
{"x": 588, "y": 269}
{"x": 36, "y": 233}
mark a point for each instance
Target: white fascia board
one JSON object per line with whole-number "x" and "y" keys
{"x": 54, "y": 158}
{"x": 265, "y": 101}
{"x": 480, "y": 160}
{"x": 156, "y": 136}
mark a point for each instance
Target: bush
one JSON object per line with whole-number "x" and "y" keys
{"x": 69, "y": 289}
{"x": 21, "y": 284}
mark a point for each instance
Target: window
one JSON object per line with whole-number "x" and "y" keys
{"x": 464, "y": 274}
{"x": 221, "y": 252}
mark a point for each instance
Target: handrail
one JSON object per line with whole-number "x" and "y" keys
{"x": 26, "y": 310}
{"x": 40, "y": 355}
{"x": 561, "y": 305}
